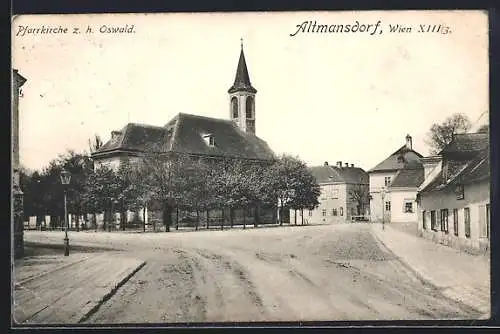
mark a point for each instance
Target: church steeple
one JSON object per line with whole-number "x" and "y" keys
{"x": 242, "y": 79}
{"x": 242, "y": 98}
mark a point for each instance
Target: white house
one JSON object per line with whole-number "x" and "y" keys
{"x": 394, "y": 183}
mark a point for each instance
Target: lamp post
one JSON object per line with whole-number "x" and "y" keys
{"x": 65, "y": 180}
{"x": 382, "y": 193}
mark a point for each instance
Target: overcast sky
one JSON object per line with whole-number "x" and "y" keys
{"x": 321, "y": 96}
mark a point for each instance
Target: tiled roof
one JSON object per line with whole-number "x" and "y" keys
{"x": 403, "y": 158}
{"x": 330, "y": 174}
{"x": 470, "y": 171}
{"x": 184, "y": 134}
{"x": 230, "y": 141}
{"x": 242, "y": 79}
{"x": 135, "y": 137}
{"x": 408, "y": 178}
{"x": 467, "y": 142}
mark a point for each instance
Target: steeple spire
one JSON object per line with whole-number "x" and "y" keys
{"x": 242, "y": 79}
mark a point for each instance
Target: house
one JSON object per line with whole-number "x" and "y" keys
{"x": 193, "y": 135}
{"x": 17, "y": 194}
{"x": 344, "y": 194}
{"x": 454, "y": 200}
{"x": 394, "y": 183}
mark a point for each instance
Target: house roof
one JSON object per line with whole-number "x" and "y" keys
{"x": 467, "y": 143}
{"x": 330, "y": 174}
{"x": 408, "y": 178}
{"x": 403, "y": 158}
{"x": 242, "y": 79}
{"x": 474, "y": 169}
{"x": 184, "y": 134}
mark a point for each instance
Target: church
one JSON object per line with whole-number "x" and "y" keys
{"x": 202, "y": 136}
{"x": 194, "y": 135}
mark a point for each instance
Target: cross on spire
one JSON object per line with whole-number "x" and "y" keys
{"x": 241, "y": 39}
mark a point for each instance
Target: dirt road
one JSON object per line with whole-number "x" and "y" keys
{"x": 306, "y": 273}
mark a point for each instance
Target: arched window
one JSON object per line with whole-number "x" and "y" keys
{"x": 234, "y": 107}
{"x": 249, "y": 107}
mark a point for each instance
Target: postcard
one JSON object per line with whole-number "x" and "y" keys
{"x": 250, "y": 167}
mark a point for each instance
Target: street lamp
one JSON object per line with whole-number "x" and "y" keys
{"x": 382, "y": 193}
{"x": 65, "y": 180}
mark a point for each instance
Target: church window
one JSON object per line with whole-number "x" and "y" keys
{"x": 249, "y": 107}
{"x": 234, "y": 107}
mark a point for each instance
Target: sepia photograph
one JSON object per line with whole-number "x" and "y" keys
{"x": 250, "y": 167}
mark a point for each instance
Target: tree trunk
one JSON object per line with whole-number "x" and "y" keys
{"x": 231, "y": 216}
{"x": 255, "y": 215}
{"x": 197, "y": 220}
{"x": 176, "y": 218}
{"x": 77, "y": 220}
{"x": 222, "y": 220}
{"x": 295, "y": 218}
{"x": 94, "y": 215}
{"x": 144, "y": 219}
{"x": 167, "y": 216}
{"x": 244, "y": 217}
{"x": 208, "y": 218}
{"x": 123, "y": 216}
{"x": 302, "y": 215}
{"x": 280, "y": 215}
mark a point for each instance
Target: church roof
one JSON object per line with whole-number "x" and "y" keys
{"x": 403, "y": 158}
{"x": 185, "y": 134}
{"x": 335, "y": 174}
{"x": 242, "y": 79}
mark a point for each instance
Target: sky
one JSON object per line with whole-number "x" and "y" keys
{"x": 350, "y": 97}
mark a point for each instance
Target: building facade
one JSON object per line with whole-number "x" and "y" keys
{"x": 344, "y": 195}
{"x": 17, "y": 194}
{"x": 197, "y": 136}
{"x": 393, "y": 185}
{"x": 454, "y": 200}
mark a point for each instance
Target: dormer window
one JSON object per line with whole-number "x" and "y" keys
{"x": 209, "y": 140}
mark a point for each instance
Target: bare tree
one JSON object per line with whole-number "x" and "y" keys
{"x": 359, "y": 194}
{"x": 441, "y": 135}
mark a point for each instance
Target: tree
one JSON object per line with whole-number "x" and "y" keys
{"x": 80, "y": 166}
{"x": 359, "y": 194}
{"x": 290, "y": 182}
{"x": 162, "y": 175}
{"x": 306, "y": 196}
{"x": 442, "y": 134}
{"x": 99, "y": 191}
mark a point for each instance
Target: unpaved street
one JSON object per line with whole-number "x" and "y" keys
{"x": 267, "y": 274}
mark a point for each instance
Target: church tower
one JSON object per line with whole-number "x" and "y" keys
{"x": 242, "y": 98}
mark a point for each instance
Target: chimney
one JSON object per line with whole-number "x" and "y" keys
{"x": 408, "y": 142}
{"x": 115, "y": 134}
{"x": 326, "y": 163}
{"x": 347, "y": 164}
{"x": 339, "y": 163}
{"x": 352, "y": 165}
